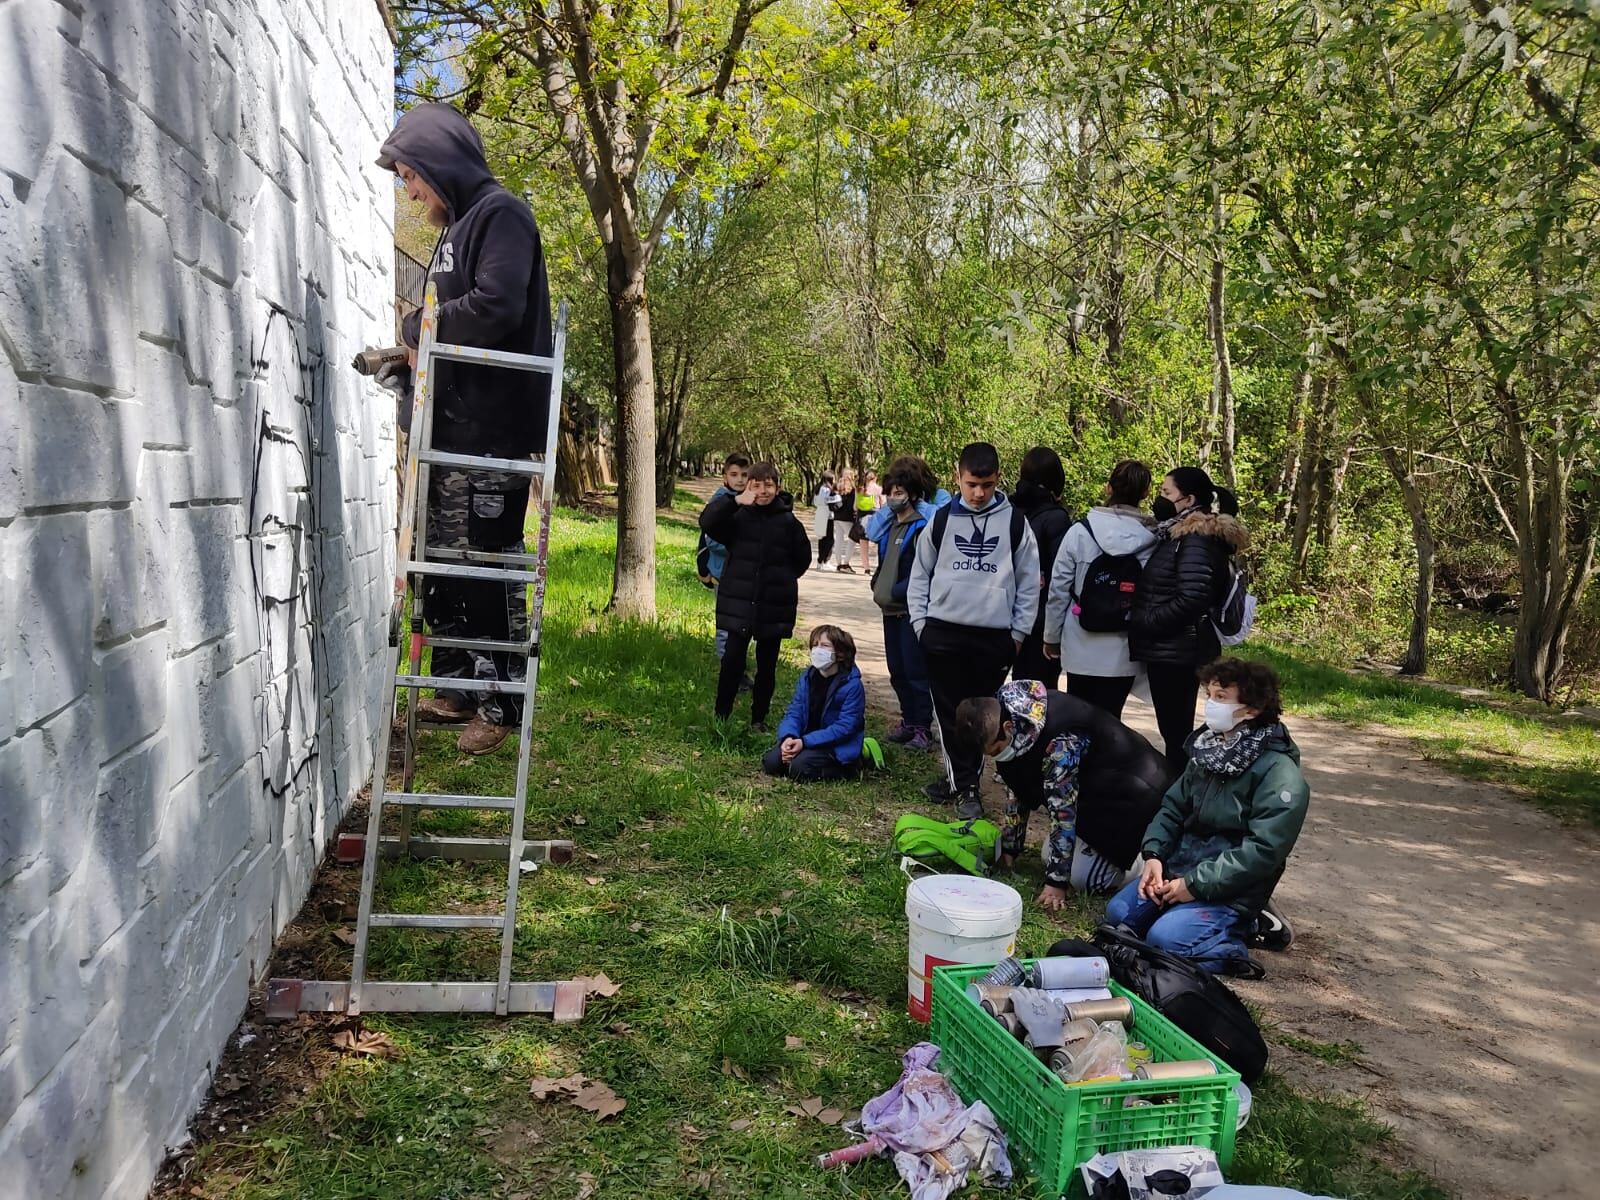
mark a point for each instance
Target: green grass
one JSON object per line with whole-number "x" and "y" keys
{"x": 1554, "y": 763}
{"x": 1335, "y": 1054}
{"x": 736, "y": 912}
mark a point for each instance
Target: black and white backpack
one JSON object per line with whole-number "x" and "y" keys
{"x": 1105, "y": 603}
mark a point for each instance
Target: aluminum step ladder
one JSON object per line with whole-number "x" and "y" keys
{"x": 563, "y": 1000}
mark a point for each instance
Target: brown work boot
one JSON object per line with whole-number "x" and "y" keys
{"x": 480, "y": 736}
{"x": 432, "y": 708}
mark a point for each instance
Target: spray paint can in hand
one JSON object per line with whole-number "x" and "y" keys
{"x": 1052, "y": 974}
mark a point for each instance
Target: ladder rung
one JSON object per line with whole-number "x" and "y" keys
{"x": 440, "y": 800}
{"x": 451, "y": 554}
{"x": 496, "y": 358}
{"x": 487, "y": 644}
{"x": 498, "y": 687}
{"x": 435, "y": 921}
{"x": 474, "y": 462}
{"x": 454, "y": 571}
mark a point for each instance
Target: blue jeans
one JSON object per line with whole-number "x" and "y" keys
{"x": 1207, "y": 933}
{"x": 722, "y": 643}
{"x": 908, "y": 671}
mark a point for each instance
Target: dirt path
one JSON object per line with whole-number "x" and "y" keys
{"x": 1448, "y": 942}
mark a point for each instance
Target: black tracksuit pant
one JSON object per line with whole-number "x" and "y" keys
{"x": 963, "y": 662}
{"x": 1173, "y": 689}
{"x": 731, "y": 674}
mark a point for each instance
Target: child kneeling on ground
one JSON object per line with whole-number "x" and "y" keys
{"x": 821, "y": 732}
{"x": 1219, "y": 844}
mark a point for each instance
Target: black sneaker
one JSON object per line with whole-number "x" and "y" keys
{"x": 759, "y": 726}
{"x": 1272, "y": 931}
{"x": 746, "y": 683}
{"x": 970, "y": 806}
{"x": 940, "y": 791}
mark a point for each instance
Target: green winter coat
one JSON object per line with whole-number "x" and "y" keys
{"x": 1230, "y": 838}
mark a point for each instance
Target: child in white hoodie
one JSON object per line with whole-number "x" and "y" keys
{"x": 1116, "y": 539}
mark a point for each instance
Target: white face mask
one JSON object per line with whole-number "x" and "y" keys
{"x": 1007, "y": 754}
{"x": 1221, "y": 717}
{"x": 822, "y": 657}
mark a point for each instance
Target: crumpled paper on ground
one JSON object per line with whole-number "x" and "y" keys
{"x": 937, "y": 1140}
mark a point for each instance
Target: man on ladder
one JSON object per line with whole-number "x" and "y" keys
{"x": 488, "y": 269}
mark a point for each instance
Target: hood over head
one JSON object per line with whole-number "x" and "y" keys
{"x": 441, "y": 145}
{"x": 1121, "y": 530}
{"x": 1024, "y": 703}
{"x": 1219, "y": 525}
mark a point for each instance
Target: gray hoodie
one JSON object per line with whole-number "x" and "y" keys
{"x": 976, "y": 577}
{"x": 1114, "y": 530}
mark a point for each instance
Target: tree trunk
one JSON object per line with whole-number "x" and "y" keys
{"x": 633, "y": 589}
{"x": 1314, "y": 449}
{"x": 1416, "y": 659}
{"x": 1330, "y": 493}
{"x": 576, "y": 473}
{"x": 669, "y": 434}
{"x": 1221, "y": 405}
{"x": 1555, "y": 572}
{"x": 1293, "y": 448}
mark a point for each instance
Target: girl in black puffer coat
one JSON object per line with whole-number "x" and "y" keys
{"x": 759, "y": 594}
{"x": 1186, "y": 577}
{"x": 1038, "y": 497}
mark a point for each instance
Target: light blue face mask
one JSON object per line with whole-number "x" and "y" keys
{"x": 1007, "y": 754}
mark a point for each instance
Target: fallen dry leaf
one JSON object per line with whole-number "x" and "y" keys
{"x": 621, "y": 1029}
{"x": 600, "y": 1100}
{"x": 227, "y": 1085}
{"x": 793, "y": 1043}
{"x": 345, "y": 935}
{"x": 729, "y": 1067}
{"x": 598, "y": 985}
{"x": 579, "y": 819}
{"x": 635, "y": 926}
{"x": 572, "y": 681}
{"x": 591, "y": 856}
{"x": 545, "y": 1087}
{"x": 740, "y": 1125}
{"x": 802, "y": 986}
{"x": 380, "y": 1045}
{"x": 587, "y": 1184}
{"x": 593, "y": 880}
{"x": 830, "y": 1116}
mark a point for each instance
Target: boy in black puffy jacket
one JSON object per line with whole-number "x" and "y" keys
{"x": 759, "y": 593}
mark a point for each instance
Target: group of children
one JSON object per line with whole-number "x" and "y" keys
{"x": 982, "y": 585}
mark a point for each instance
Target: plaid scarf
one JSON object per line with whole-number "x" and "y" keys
{"x": 1230, "y": 755}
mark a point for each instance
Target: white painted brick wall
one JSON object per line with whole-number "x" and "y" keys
{"x": 196, "y": 514}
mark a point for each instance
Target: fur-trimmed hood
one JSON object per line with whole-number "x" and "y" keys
{"x": 1227, "y": 529}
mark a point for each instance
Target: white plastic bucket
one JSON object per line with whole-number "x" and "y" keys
{"x": 956, "y": 919}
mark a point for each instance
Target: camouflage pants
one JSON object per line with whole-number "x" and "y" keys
{"x": 478, "y": 510}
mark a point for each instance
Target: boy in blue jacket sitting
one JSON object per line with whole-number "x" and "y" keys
{"x": 821, "y": 732}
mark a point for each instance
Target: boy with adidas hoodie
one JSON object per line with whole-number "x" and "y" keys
{"x": 1096, "y": 662}
{"x": 972, "y": 597}
{"x": 1223, "y": 836}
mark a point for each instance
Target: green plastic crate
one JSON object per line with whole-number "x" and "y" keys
{"x": 1055, "y": 1128}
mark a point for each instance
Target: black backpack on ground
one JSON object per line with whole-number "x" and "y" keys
{"x": 1196, "y": 1002}
{"x": 1105, "y": 605}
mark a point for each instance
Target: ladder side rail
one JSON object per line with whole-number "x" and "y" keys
{"x": 546, "y": 479}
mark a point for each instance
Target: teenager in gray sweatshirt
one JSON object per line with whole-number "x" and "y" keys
{"x": 972, "y": 599}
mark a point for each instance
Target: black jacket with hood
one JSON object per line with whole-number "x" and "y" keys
{"x": 1121, "y": 777}
{"x": 768, "y": 551}
{"x": 1184, "y": 579}
{"x": 1049, "y": 522}
{"x": 489, "y": 271}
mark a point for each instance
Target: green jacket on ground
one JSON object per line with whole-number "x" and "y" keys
{"x": 1230, "y": 838}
